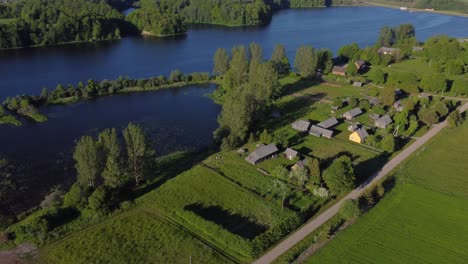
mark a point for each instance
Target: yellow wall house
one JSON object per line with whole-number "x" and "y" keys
{"x": 359, "y": 136}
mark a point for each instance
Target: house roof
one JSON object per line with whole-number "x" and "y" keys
{"x": 261, "y": 153}
{"x": 362, "y": 132}
{"x": 374, "y": 100}
{"x": 418, "y": 48}
{"x": 388, "y": 50}
{"x": 361, "y": 63}
{"x": 374, "y": 116}
{"x": 383, "y": 121}
{"x": 319, "y": 131}
{"x": 290, "y": 152}
{"x": 301, "y": 125}
{"x": 357, "y": 84}
{"x": 353, "y": 112}
{"x": 328, "y": 123}
{"x": 397, "y": 104}
{"x": 298, "y": 164}
{"x": 339, "y": 69}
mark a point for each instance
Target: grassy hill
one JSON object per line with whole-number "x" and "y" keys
{"x": 423, "y": 220}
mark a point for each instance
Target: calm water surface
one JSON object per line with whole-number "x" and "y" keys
{"x": 28, "y": 70}
{"x": 176, "y": 119}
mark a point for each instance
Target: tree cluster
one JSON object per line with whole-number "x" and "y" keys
{"x": 49, "y": 22}
{"x": 152, "y": 20}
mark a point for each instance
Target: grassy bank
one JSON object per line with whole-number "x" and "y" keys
{"x": 9, "y": 119}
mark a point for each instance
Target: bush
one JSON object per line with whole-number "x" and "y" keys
{"x": 350, "y": 209}
{"x": 100, "y": 200}
{"x": 75, "y": 197}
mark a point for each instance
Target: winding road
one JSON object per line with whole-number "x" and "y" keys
{"x": 312, "y": 225}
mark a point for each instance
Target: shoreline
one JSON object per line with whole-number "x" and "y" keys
{"x": 410, "y": 9}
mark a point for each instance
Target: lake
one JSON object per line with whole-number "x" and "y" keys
{"x": 175, "y": 119}
{"x": 29, "y": 70}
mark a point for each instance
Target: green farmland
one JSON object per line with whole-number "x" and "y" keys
{"x": 423, "y": 220}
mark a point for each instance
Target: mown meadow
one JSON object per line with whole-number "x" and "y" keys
{"x": 423, "y": 220}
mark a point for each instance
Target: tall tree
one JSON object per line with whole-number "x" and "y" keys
{"x": 325, "y": 60}
{"x": 349, "y": 52}
{"x": 137, "y": 150}
{"x": 238, "y": 66}
{"x": 313, "y": 165}
{"x": 280, "y": 60}
{"x": 221, "y": 61}
{"x": 339, "y": 176}
{"x": 87, "y": 161}
{"x": 376, "y": 75}
{"x": 388, "y": 96}
{"x": 255, "y": 52}
{"x": 112, "y": 174}
{"x": 386, "y": 37}
{"x": 306, "y": 61}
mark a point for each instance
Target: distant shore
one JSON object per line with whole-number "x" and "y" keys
{"x": 411, "y": 9}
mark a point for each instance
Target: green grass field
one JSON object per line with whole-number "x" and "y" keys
{"x": 136, "y": 237}
{"x": 423, "y": 220}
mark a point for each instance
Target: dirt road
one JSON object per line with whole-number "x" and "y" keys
{"x": 308, "y": 228}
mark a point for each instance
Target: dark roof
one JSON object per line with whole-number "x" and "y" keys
{"x": 261, "y": 153}
{"x": 290, "y": 152}
{"x": 328, "y": 123}
{"x": 301, "y": 125}
{"x": 362, "y": 132}
{"x": 384, "y": 121}
{"x": 319, "y": 131}
{"x": 353, "y": 112}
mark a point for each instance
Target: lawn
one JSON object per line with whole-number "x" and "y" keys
{"x": 135, "y": 237}
{"x": 423, "y": 220}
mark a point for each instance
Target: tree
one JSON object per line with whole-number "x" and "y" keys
{"x": 460, "y": 86}
{"x": 137, "y": 150}
{"x": 112, "y": 174}
{"x": 388, "y": 96}
{"x": 325, "y": 60}
{"x": 175, "y": 76}
{"x": 404, "y": 31}
{"x": 428, "y": 116}
{"x": 99, "y": 200}
{"x": 434, "y": 83}
{"x": 238, "y": 66}
{"x": 306, "y": 61}
{"x": 255, "y": 52}
{"x": 349, "y": 52}
{"x": 350, "y": 209}
{"x": 388, "y": 143}
{"x": 87, "y": 161}
{"x": 265, "y": 138}
{"x": 386, "y": 37}
{"x": 402, "y": 119}
{"x": 455, "y": 119}
{"x": 339, "y": 176}
{"x": 280, "y": 60}
{"x": 376, "y": 75}
{"x": 413, "y": 125}
{"x": 441, "y": 108}
{"x": 313, "y": 165}
{"x": 299, "y": 176}
{"x": 221, "y": 61}
{"x": 280, "y": 189}
{"x": 351, "y": 69}
{"x": 353, "y": 102}
{"x": 454, "y": 67}
{"x": 280, "y": 172}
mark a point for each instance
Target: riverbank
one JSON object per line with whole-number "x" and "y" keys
{"x": 393, "y": 5}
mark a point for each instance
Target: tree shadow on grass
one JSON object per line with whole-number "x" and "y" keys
{"x": 168, "y": 167}
{"x": 301, "y": 84}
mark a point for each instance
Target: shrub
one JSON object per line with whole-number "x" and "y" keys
{"x": 350, "y": 209}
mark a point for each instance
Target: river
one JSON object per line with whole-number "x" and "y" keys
{"x": 176, "y": 119}
{"x": 29, "y": 70}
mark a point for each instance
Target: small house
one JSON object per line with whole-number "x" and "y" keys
{"x": 358, "y": 84}
{"x": 351, "y": 114}
{"x": 328, "y": 123}
{"x": 374, "y": 101}
{"x": 383, "y": 122}
{"x": 301, "y": 125}
{"x": 339, "y": 70}
{"x": 359, "y": 136}
{"x": 360, "y": 64}
{"x": 299, "y": 164}
{"x": 320, "y": 132}
{"x": 374, "y": 116}
{"x": 388, "y": 51}
{"x": 290, "y": 153}
{"x": 398, "y": 105}
{"x": 262, "y": 153}
{"x": 353, "y": 127}
{"x": 416, "y": 49}
{"x": 334, "y": 108}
